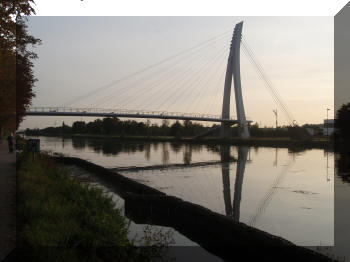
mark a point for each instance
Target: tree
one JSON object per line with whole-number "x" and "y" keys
{"x": 342, "y": 121}
{"x": 78, "y": 127}
{"x": 165, "y": 127}
{"x": 25, "y": 79}
{"x": 16, "y": 75}
{"x": 175, "y": 129}
{"x": 65, "y": 129}
{"x": 94, "y": 127}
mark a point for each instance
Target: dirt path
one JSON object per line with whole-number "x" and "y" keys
{"x": 7, "y": 200}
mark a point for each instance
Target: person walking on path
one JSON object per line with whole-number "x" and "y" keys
{"x": 10, "y": 142}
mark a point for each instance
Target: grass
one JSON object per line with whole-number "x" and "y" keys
{"x": 56, "y": 213}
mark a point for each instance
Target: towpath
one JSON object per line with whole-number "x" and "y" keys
{"x": 7, "y": 201}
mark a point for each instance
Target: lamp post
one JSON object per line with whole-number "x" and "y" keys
{"x": 275, "y": 112}
{"x": 327, "y": 140}
{"x": 327, "y": 122}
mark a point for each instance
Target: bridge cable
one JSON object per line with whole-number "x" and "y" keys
{"x": 272, "y": 91}
{"x": 159, "y": 72}
{"x": 204, "y": 91}
{"x": 198, "y": 80}
{"x": 206, "y": 80}
{"x": 192, "y": 72}
{"x": 261, "y": 73}
{"x": 179, "y": 84}
{"x": 146, "y": 68}
{"x": 218, "y": 94}
{"x": 268, "y": 84}
{"x": 173, "y": 77}
{"x": 265, "y": 201}
{"x": 145, "y": 86}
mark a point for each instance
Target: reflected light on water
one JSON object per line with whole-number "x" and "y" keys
{"x": 288, "y": 193}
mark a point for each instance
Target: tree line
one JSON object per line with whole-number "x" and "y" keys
{"x": 342, "y": 125}
{"x": 115, "y": 126}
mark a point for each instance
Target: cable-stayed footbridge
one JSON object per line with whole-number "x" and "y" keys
{"x": 188, "y": 79}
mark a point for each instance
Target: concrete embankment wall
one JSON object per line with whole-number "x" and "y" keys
{"x": 123, "y": 184}
{"x": 217, "y": 233}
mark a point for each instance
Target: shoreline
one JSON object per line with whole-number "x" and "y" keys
{"x": 283, "y": 142}
{"x": 145, "y": 204}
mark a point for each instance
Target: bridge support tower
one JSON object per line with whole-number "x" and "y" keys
{"x": 233, "y": 70}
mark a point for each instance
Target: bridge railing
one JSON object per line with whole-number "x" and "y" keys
{"x": 123, "y": 111}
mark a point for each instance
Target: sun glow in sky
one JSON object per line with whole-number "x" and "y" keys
{"x": 81, "y": 54}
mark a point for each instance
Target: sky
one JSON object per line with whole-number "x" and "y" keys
{"x": 81, "y": 54}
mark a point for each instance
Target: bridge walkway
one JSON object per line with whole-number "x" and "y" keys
{"x": 7, "y": 201}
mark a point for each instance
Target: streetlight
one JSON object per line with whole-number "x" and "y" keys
{"x": 327, "y": 121}
{"x": 275, "y": 112}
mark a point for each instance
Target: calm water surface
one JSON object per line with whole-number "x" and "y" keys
{"x": 286, "y": 193}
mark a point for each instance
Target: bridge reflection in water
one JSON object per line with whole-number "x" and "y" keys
{"x": 232, "y": 206}
{"x": 211, "y": 230}
{"x": 232, "y": 202}
{"x": 218, "y": 234}
{"x": 233, "y": 210}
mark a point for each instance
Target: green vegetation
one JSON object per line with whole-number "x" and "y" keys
{"x": 138, "y": 131}
{"x": 16, "y": 62}
{"x": 256, "y": 131}
{"x": 342, "y": 122}
{"x": 116, "y": 127}
{"x": 54, "y": 211}
{"x": 342, "y": 131}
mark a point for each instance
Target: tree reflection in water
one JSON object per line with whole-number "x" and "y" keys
{"x": 115, "y": 147}
{"x": 187, "y": 154}
{"x": 148, "y": 151}
{"x": 165, "y": 154}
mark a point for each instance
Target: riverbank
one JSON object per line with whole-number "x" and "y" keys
{"x": 59, "y": 217}
{"x": 283, "y": 142}
{"x": 7, "y": 201}
{"x": 217, "y": 233}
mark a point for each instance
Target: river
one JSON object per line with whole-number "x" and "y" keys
{"x": 288, "y": 193}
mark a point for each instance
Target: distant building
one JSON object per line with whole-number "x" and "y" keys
{"x": 311, "y": 131}
{"x": 328, "y": 127}
{"x": 314, "y": 129}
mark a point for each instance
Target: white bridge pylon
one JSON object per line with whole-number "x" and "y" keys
{"x": 233, "y": 70}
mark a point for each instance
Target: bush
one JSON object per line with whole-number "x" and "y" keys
{"x": 56, "y": 211}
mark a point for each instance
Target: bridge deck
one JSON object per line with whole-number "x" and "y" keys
{"x": 125, "y": 114}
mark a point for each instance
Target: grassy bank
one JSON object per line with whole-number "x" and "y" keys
{"x": 59, "y": 219}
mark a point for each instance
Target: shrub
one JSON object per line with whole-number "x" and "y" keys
{"x": 58, "y": 212}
